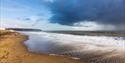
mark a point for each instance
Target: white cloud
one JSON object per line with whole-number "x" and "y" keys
{"x": 89, "y": 25}
{"x": 43, "y": 24}
{"x": 5, "y": 23}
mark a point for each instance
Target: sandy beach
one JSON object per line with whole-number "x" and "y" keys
{"x": 41, "y": 47}
{"x": 12, "y": 50}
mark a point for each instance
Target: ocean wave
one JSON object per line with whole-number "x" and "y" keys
{"x": 92, "y": 47}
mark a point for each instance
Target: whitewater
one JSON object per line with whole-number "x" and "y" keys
{"x": 95, "y": 49}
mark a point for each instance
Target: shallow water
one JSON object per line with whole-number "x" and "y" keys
{"x": 75, "y": 45}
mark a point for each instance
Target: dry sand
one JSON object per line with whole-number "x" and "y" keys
{"x": 12, "y": 50}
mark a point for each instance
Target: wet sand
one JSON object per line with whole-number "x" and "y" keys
{"x": 12, "y": 50}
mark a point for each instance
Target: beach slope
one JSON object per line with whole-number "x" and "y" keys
{"x": 12, "y": 50}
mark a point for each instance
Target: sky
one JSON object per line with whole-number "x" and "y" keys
{"x": 63, "y": 14}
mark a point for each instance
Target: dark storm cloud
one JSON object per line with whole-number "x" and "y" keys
{"x": 68, "y": 12}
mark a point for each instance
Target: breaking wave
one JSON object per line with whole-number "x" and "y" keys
{"x": 93, "y": 48}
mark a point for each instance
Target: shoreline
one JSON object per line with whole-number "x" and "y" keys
{"x": 97, "y": 51}
{"x": 12, "y": 50}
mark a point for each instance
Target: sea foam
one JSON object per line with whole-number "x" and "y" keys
{"x": 75, "y": 45}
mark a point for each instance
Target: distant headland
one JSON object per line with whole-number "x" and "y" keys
{"x": 22, "y": 29}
